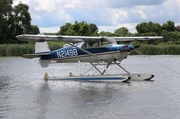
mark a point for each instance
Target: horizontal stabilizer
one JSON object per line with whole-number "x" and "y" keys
{"x": 36, "y": 55}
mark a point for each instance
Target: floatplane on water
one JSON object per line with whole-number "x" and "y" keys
{"x": 95, "y": 50}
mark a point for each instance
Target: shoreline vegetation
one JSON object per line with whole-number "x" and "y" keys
{"x": 20, "y": 49}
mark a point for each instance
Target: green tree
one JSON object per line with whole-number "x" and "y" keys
{"x": 164, "y": 34}
{"x": 70, "y": 32}
{"x": 5, "y": 12}
{"x": 142, "y": 28}
{"x": 20, "y": 20}
{"x": 93, "y": 29}
{"x": 122, "y": 31}
{"x": 34, "y": 29}
{"x": 64, "y": 29}
{"x": 172, "y": 37}
{"x": 149, "y": 28}
{"x": 78, "y": 29}
{"x": 81, "y": 29}
{"x": 168, "y": 26}
{"x": 103, "y": 33}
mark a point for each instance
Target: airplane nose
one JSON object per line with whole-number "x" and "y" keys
{"x": 131, "y": 47}
{"x": 127, "y": 48}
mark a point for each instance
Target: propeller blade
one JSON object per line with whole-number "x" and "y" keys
{"x": 136, "y": 46}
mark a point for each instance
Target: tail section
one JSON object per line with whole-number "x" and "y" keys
{"x": 41, "y": 50}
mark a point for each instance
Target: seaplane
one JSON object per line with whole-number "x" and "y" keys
{"x": 96, "y": 50}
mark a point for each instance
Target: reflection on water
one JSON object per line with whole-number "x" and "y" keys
{"x": 24, "y": 93}
{"x": 93, "y": 96}
{"x": 43, "y": 100}
{"x": 6, "y": 91}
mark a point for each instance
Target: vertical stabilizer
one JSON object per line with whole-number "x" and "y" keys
{"x": 41, "y": 47}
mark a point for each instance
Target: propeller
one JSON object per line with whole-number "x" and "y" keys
{"x": 128, "y": 48}
{"x": 136, "y": 46}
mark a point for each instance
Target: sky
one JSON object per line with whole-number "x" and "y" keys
{"x": 108, "y": 15}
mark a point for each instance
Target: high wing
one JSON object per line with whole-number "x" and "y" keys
{"x": 72, "y": 39}
{"x": 76, "y": 39}
{"x": 140, "y": 38}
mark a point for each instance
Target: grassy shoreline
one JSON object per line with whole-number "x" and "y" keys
{"x": 20, "y": 49}
{"x": 158, "y": 50}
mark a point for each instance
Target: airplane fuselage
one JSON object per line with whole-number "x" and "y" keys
{"x": 106, "y": 53}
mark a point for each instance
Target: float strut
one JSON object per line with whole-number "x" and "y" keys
{"x": 122, "y": 67}
{"x": 106, "y": 68}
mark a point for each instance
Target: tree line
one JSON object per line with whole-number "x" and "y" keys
{"x": 170, "y": 33}
{"x": 14, "y": 20}
{"x": 17, "y": 20}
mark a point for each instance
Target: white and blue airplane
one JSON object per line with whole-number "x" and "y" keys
{"x": 94, "y": 50}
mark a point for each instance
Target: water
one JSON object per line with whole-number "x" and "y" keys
{"x": 24, "y": 93}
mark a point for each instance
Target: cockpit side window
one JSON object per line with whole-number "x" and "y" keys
{"x": 91, "y": 44}
{"x": 95, "y": 44}
{"x": 108, "y": 40}
{"x": 104, "y": 41}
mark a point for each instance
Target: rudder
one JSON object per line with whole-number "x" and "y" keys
{"x": 43, "y": 49}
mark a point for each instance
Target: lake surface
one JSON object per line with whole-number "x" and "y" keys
{"x": 25, "y": 95}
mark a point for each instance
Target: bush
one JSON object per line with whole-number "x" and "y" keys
{"x": 16, "y": 49}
